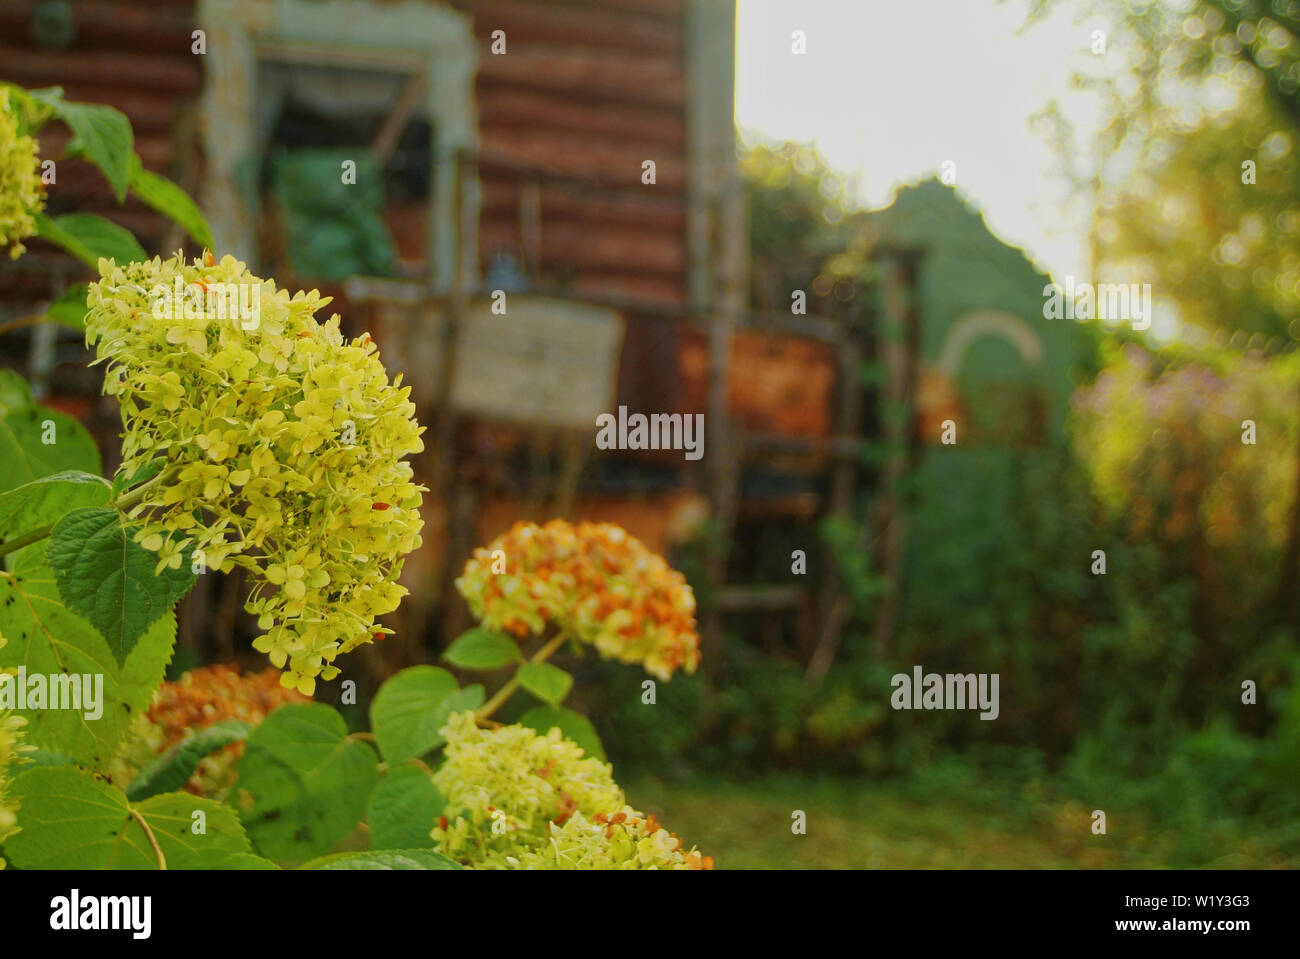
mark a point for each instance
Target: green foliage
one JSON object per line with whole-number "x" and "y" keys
{"x": 23, "y": 430}
{"x": 482, "y": 648}
{"x": 547, "y": 682}
{"x": 108, "y": 578}
{"x": 79, "y": 598}
{"x": 70, "y": 308}
{"x": 103, "y": 136}
{"x": 89, "y": 237}
{"x": 171, "y": 201}
{"x": 409, "y": 709}
{"x": 99, "y": 133}
{"x": 573, "y": 726}
{"x": 50, "y": 639}
{"x": 173, "y": 768}
{"x": 44, "y": 500}
{"x": 403, "y": 810}
{"x": 306, "y": 781}
{"x": 73, "y": 821}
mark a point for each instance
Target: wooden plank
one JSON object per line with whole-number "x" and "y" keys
{"x": 591, "y": 246}
{"x": 508, "y": 106}
{"x": 601, "y": 161}
{"x": 665, "y": 9}
{"x": 126, "y": 26}
{"x": 592, "y": 76}
{"x": 564, "y": 202}
{"x": 180, "y": 74}
{"x": 635, "y": 288}
{"x": 541, "y": 24}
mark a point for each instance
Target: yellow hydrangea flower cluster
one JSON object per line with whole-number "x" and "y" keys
{"x": 596, "y": 582}
{"x": 519, "y": 800}
{"x": 284, "y": 446}
{"x": 11, "y": 750}
{"x": 625, "y": 840}
{"x": 22, "y": 195}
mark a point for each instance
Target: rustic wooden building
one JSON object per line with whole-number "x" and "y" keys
{"x": 574, "y": 158}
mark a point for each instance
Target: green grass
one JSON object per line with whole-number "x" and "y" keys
{"x": 858, "y": 825}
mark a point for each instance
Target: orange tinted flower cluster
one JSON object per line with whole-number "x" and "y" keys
{"x": 205, "y": 696}
{"x": 200, "y": 698}
{"x": 594, "y": 581}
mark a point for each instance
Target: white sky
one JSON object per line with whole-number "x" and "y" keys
{"x": 889, "y": 90}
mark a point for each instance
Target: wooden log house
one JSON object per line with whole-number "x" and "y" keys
{"x": 512, "y": 138}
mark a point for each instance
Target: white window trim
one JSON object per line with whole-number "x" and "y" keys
{"x": 391, "y": 34}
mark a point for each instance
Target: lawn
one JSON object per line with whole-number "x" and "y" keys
{"x": 864, "y": 825}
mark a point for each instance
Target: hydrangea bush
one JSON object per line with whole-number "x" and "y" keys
{"x": 255, "y": 436}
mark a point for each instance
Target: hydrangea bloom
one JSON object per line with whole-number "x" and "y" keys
{"x": 285, "y": 446}
{"x": 198, "y": 699}
{"x": 22, "y": 195}
{"x": 11, "y": 750}
{"x": 519, "y": 800}
{"x": 625, "y": 840}
{"x": 597, "y": 583}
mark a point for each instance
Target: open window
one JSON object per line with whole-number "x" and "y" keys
{"x": 332, "y": 129}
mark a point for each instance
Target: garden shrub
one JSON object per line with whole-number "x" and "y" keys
{"x": 256, "y": 436}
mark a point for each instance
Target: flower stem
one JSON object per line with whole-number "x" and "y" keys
{"x": 506, "y": 691}
{"x": 123, "y": 502}
{"x": 157, "y": 850}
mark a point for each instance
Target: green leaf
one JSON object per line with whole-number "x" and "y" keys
{"x": 108, "y": 578}
{"x": 89, "y": 237}
{"x": 242, "y": 861}
{"x": 548, "y": 683}
{"x": 25, "y": 429}
{"x": 409, "y": 709}
{"x": 43, "y": 501}
{"x": 170, "y": 200}
{"x": 46, "y": 757}
{"x": 481, "y": 648}
{"x": 172, "y": 769}
{"x": 307, "y": 782}
{"x": 573, "y": 726}
{"x": 70, "y": 309}
{"x": 384, "y": 859}
{"x": 50, "y": 639}
{"x": 70, "y": 820}
{"x": 15, "y": 394}
{"x": 403, "y": 810}
{"x": 469, "y": 698}
{"x": 101, "y": 134}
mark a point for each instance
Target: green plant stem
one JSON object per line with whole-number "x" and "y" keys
{"x": 506, "y": 691}
{"x": 123, "y": 502}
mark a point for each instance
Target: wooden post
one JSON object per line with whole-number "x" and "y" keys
{"x": 454, "y": 503}
{"x": 723, "y": 448}
{"x": 833, "y": 606}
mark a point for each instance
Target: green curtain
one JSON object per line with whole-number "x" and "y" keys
{"x": 333, "y": 229}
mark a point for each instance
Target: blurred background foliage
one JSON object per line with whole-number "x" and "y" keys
{"x": 1121, "y": 692}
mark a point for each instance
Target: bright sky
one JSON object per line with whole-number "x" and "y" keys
{"x": 890, "y": 90}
